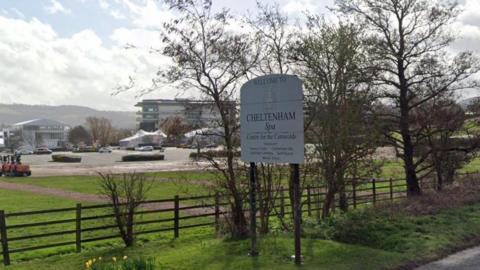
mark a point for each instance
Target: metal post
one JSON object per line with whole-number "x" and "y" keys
{"x": 297, "y": 213}
{"x": 176, "y": 217}
{"x": 4, "y": 238}
{"x": 78, "y": 228}
{"x": 253, "y": 210}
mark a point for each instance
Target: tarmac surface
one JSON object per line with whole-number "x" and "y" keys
{"x": 468, "y": 259}
{"x": 176, "y": 159}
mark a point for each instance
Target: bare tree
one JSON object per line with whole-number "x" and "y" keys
{"x": 449, "y": 141}
{"x": 410, "y": 38}
{"x": 333, "y": 61}
{"x": 126, "y": 192}
{"x": 213, "y": 60}
{"x": 78, "y": 135}
{"x": 101, "y": 129}
{"x": 174, "y": 127}
{"x": 275, "y": 35}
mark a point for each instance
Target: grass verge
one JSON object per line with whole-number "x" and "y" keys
{"x": 216, "y": 254}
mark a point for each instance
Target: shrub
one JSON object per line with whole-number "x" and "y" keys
{"x": 143, "y": 157}
{"x": 85, "y": 150}
{"x": 212, "y": 154}
{"x": 66, "y": 158}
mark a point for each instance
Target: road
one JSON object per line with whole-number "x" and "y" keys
{"x": 464, "y": 260}
{"x": 175, "y": 159}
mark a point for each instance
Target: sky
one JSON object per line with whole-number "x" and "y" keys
{"x": 76, "y": 52}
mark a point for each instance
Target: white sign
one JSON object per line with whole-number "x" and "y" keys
{"x": 271, "y": 119}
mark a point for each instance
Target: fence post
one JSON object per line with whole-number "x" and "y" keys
{"x": 282, "y": 202}
{"x": 374, "y": 190}
{"x": 309, "y": 201}
{"x": 354, "y": 193}
{"x": 217, "y": 212}
{"x": 78, "y": 228}
{"x": 391, "y": 189}
{"x": 4, "y": 238}
{"x": 176, "y": 216}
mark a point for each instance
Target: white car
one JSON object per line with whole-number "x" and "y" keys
{"x": 23, "y": 152}
{"x": 105, "y": 150}
{"x": 147, "y": 148}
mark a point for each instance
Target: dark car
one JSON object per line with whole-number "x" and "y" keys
{"x": 42, "y": 151}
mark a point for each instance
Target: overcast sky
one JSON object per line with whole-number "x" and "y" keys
{"x": 60, "y": 52}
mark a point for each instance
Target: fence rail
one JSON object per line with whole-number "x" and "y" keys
{"x": 205, "y": 210}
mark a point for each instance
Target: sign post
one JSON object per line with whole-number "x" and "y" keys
{"x": 271, "y": 120}
{"x": 253, "y": 209}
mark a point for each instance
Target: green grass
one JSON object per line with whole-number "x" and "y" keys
{"x": 90, "y": 184}
{"x": 371, "y": 239}
{"x": 216, "y": 254}
{"x": 17, "y": 201}
{"x": 424, "y": 236}
{"x": 14, "y": 201}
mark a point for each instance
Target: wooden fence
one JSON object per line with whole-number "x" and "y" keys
{"x": 86, "y": 223}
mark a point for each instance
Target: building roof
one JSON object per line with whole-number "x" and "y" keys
{"x": 141, "y": 133}
{"x": 40, "y": 122}
{"x": 171, "y": 101}
{"x": 174, "y": 101}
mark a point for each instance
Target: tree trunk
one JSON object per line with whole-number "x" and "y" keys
{"x": 342, "y": 199}
{"x": 327, "y": 205}
{"x": 413, "y": 187}
{"x": 239, "y": 224}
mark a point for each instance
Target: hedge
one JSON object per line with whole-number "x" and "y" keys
{"x": 140, "y": 157}
{"x": 213, "y": 154}
{"x": 66, "y": 158}
{"x": 85, "y": 150}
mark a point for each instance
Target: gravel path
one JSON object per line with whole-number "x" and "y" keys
{"x": 83, "y": 197}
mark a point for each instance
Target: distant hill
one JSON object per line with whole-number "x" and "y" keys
{"x": 469, "y": 101}
{"x": 68, "y": 114}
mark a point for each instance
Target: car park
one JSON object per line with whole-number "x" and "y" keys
{"x": 147, "y": 148}
{"x": 23, "y": 152}
{"x": 42, "y": 151}
{"x": 105, "y": 150}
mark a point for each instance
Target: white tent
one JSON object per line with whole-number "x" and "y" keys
{"x": 143, "y": 137}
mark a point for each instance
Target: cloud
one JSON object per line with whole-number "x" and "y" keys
{"x": 18, "y": 13}
{"x": 467, "y": 28}
{"x": 117, "y": 15}
{"x": 56, "y": 7}
{"x": 104, "y": 4}
{"x": 37, "y": 66}
{"x": 295, "y": 7}
{"x": 148, "y": 15}
{"x": 140, "y": 38}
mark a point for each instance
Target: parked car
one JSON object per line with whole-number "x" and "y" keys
{"x": 23, "y": 152}
{"x": 105, "y": 150}
{"x": 42, "y": 151}
{"x": 147, "y": 148}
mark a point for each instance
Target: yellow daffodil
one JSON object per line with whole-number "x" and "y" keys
{"x": 99, "y": 258}
{"x": 125, "y": 257}
{"x": 114, "y": 259}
